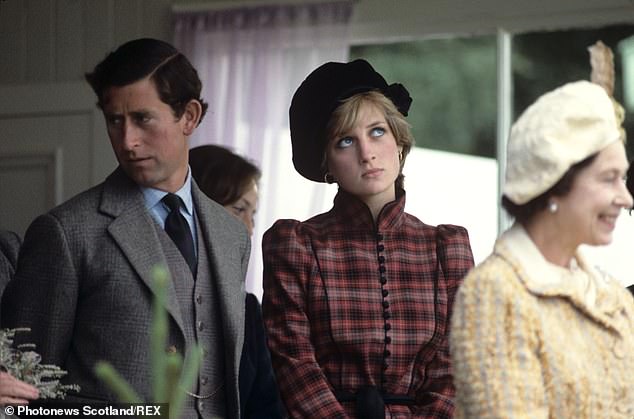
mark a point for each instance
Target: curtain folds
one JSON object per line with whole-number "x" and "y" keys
{"x": 250, "y": 60}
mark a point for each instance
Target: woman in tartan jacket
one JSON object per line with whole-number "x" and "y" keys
{"x": 357, "y": 300}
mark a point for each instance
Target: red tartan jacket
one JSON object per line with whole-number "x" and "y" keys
{"x": 348, "y": 303}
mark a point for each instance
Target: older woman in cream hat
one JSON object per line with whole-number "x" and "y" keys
{"x": 537, "y": 330}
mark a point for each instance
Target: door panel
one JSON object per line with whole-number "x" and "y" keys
{"x": 53, "y": 145}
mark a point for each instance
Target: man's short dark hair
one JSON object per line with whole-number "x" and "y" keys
{"x": 176, "y": 80}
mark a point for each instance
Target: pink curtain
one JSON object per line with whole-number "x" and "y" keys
{"x": 251, "y": 59}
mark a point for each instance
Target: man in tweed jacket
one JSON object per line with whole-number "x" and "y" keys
{"x": 83, "y": 282}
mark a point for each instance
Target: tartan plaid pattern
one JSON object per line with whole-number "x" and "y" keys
{"x": 348, "y": 304}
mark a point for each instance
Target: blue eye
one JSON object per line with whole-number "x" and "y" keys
{"x": 344, "y": 142}
{"x": 377, "y": 132}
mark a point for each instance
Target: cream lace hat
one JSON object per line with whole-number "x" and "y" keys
{"x": 563, "y": 127}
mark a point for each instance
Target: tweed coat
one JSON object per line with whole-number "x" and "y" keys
{"x": 348, "y": 303}
{"x": 534, "y": 340}
{"x": 83, "y": 285}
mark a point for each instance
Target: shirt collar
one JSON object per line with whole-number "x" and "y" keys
{"x": 153, "y": 196}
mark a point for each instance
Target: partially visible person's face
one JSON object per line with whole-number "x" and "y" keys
{"x": 589, "y": 211}
{"x": 365, "y": 160}
{"x": 149, "y": 141}
{"x": 246, "y": 206}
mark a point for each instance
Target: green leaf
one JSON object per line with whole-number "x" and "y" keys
{"x": 116, "y": 382}
{"x": 159, "y": 334}
{"x": 188, "y": 377}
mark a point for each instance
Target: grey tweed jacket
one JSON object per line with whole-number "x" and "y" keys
{"x": 83, "y": 285}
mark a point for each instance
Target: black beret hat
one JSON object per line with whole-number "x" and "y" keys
{"x": 319, "y": 95}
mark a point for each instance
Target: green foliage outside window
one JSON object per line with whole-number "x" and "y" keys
{"x": 545, "y": 60}
{"x": 453, "y": 84}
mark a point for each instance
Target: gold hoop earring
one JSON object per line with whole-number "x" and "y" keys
{"x": 328, "y": 178}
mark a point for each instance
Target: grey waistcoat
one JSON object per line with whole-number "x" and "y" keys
{"x": 202, "y": 324}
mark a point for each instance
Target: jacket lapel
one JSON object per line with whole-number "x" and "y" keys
{"x": 133, "y": 230}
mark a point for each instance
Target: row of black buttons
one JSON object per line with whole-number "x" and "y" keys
{"x": 385, "y": 303}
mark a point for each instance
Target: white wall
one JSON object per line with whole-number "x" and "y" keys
{"x": 450, "y": 188}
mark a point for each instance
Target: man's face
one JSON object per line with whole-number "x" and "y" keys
{"x": 149, "y": 141}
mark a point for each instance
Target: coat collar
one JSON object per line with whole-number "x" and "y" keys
{"x": 355, "y": 213}
{"x": 587, "y": 287}
{"x": 120, "y": 194}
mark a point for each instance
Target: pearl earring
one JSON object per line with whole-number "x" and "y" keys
{"x": 552, "y": 207}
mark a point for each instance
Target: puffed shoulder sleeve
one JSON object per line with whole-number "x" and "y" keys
{"x": 456, "y": 258}
{"x": 288, "y": 260}
{"x": 289, "y": 266}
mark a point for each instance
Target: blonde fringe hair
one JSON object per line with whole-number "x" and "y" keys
{"x": 346, "y": 115}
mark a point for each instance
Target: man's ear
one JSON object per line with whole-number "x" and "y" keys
{"x": 191, "y": 116}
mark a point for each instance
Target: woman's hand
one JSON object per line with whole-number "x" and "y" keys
{"x": 14, "y": 391}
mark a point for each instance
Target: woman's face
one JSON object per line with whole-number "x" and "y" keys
{"x": 589, "y": 211}
{"x": 246, "y": 206}
{"x": 365, "y": 160}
